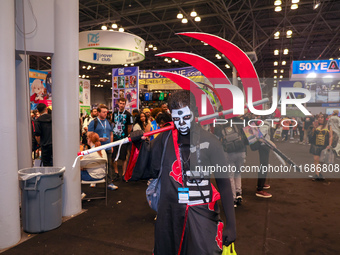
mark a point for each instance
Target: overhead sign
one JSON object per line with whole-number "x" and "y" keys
{"x": 110, "y": 47}
{"x": 319, "y": 68}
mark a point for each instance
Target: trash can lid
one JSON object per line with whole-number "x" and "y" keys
{"x": 28, "y": 173}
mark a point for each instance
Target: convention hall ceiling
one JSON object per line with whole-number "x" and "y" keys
{"x": 251, "y": 25}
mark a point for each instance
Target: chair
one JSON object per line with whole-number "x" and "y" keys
{"x": 91, "y": 163}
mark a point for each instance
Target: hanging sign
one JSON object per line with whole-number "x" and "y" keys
{"x": 110, "y": 47}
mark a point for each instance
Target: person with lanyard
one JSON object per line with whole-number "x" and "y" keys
{"x": 122, "y": 120}
{"x": 104, "y": 129}
{"x": 188, "y": 220}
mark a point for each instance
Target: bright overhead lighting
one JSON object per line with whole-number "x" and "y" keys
{"x": 276, "y": 63}
{"x": 275, "y": 71}
{"x": 84, "y": 67}
{"x": 111, "y": 87}
{"x": 316, "y": 5}
{"x": 185, "y": 20}
{"x": 227, "y": 66}
{"x": 277, "y": 2}
{"x": 276, "y": 52}
{"x": 284, "y": 62}
{"x": 132, "y": 64}
{"x": 197, "y": 19}
{"x": 173, "y": 59}
{"x": 121, "y": 29}
{"x": 295, "y": 1}
{"x": 83, "y": 76}
{"x": 101, "y": 80}
{"x": 281, "y": 76}
{"x": 289, "y": 33}
{"x": 193, "y": 13}
{"x": 48, "y": 58}
{"x": 179, "y": 15}
{"x": 331, "y": 59}
{"x": 104, "y": 27}
{"x": 110, "y": 29}
{"x": 109, "y": 73}
{"x": 277, "y": 35}
{"x": 166, "y": 59}
{"x": 169, "y": 61}
{"x": 93, "y": 67}
{"x": 282, "y": 71}
{"x": 114, "y": 25}
{"x": 285, "y": 51}
{"x": 294, "y": 6}
{"x": 146, "y": 49}
{"x": 125, "y": 64}
{"x": 79, "y": 76}
{"x": 154, "y": 48}
{"x": 150, "y": 46}
{"x": 278, "y": 8}
{"x": 87, "y": 76}
{"x": 275, "y": 77}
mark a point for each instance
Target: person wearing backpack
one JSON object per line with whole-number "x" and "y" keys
{"x": 104, "y": 129}
{"x": 233, "y": 142}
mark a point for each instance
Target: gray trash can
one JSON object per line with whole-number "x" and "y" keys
{"x": 41, "y": 198}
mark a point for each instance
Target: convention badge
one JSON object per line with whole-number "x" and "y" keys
{"x": 104, "y": 135}
{"x": 183, "y": 195}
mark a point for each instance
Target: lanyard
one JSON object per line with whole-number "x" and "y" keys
{"x": 104, "y": 127}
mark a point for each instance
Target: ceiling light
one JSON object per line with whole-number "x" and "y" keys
{"x": 111, "y": 87}
{"x": 295, "y": 1}
{"x": 316, "y": 4}
{"x": 275, "y": 77}
{"x": 154, "y": 48}
{"x": 87, "y": 76}
{"x": 278, "y": 8}
{"x": 289, "y": 33}
{"x": 205, "y": 43}
{"x": 101, "y": 80}
{"x": 276, "y": 52}
{"x": 193, "y": 13}
{"x": 277, "y": 2}
{"x": 285, "y": 51}
{"x": 48, "y": 58}
{"x": 227, "y": 66}
{"x": 150, "y": 46}
{"x": 125, "y": 64}
{"x": 294, "y": 6}
{"x": 114, "y": 25}
{"x": 284, "y": 62}
{"x": 276, "y": 63}
{"x": 331, "y": 59}
{"x": 217, "y": 56}
{"x": 176, "y": 60}
{"x": 132, "y": 64}
{"x": 185, "y": 20}
{"x": 282, "y": 71}
{"x": 84, "y": 67}
{"x": 110, "y": 29}
{"x": 281, "y": 76}
{"x": 275, "y": 71}
{"x": 83, "y": 76}
{"x": 197, "y": 19}
{"x": 79, "y": 76}
{"x": 146, "y": 49}
{"x": 277, "y": 35}
{"x": 179, "y": 15}
{"x": 121, "y": 29}
{"x": 109, "y": 73}
{"x": 169, "y": 61}
{"x": 104, "y": 27}
{"x": 173, "y": 59}
{"x": 166, "y": 59}
{"x": 93, "y": 67}
{"x": 108, "y": 81}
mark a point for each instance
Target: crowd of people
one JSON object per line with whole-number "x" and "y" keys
{"x": 320, "y": 131}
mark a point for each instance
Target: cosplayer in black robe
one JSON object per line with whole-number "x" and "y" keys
{"x": 188, "y": 221}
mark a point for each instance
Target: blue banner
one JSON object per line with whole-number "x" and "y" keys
{"x": 316, "y": 66}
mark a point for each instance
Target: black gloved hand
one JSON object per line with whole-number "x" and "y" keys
{"x": 136, "y": 136}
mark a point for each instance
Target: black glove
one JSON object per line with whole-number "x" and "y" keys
{"x": 136, "y": 137}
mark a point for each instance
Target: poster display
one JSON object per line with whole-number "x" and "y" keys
{"x": 40, "y": 83}
{"x": 125, "y": 84}
{"x": 85, "y": 96}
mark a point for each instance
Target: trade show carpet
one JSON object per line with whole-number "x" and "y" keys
{"x": 302, "y": 217}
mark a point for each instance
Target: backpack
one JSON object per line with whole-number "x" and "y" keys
{"x": 232, "y": 140}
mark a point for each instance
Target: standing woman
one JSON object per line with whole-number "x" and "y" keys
{"x": 141, "y": 123}
{"x": 321, "y": 138}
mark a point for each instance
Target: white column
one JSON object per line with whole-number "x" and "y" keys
{"x": 24, "y": 131}
{"x": 9, "y": 189}
{"x": 65, "y": 103}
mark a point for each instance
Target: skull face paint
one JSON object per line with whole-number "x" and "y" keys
{"x": 182, "y": 118}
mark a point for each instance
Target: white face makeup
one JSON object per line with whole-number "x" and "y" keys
{"x": 181, "y": 118}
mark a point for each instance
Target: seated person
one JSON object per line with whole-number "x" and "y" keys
{"x": 93, "y": 174}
